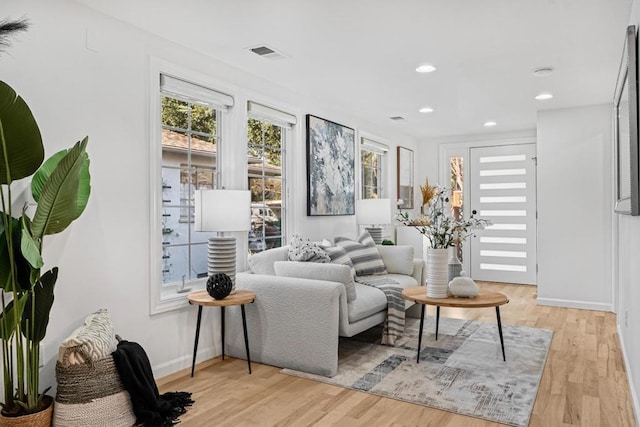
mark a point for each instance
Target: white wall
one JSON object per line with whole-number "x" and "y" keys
{"x": 628, "y": 273}
{"x": 86, "y": 74}
{"x": 574, "y": 207}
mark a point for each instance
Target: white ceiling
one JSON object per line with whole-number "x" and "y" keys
{"x": 361, "y": 54}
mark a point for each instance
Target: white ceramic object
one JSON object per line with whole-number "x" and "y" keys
{"x": 221, "y": 258}
{"x": 437, "y": 273}
{"x": 463, "y": 286}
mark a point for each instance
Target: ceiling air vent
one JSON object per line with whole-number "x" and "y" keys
{"x": 267, "y": 52}
{"x": 397, "y": 118}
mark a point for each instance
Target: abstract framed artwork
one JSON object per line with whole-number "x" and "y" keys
{"x": 330, "y": 168}
{"x": 405, "y": 177}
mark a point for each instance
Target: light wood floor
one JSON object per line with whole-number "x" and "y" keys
{"x": 584, "y": 381}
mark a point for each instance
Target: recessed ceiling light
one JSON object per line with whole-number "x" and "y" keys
{"x": 426, "y": 110}
{"x": 544, "y": 96}
{"x": 489, "y": 124}
{"x": 543, "y": 71}
{"x": 426, "y": 68}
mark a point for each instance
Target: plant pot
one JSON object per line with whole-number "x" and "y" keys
{"x": 437, "y": 273}
{"x": 37, "y": 419}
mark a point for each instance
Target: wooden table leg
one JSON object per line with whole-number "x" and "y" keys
{"x": 195, "y": 345}
{"x": 420, "y": 336}
{"x": 504, "y": 358}
{"x": 222, "y": 328}
{"x": 246, "y": 338}
{"x": 437, "y": 320}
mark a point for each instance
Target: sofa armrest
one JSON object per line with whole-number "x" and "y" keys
{"x": 293, "y": 323}
{"x": 418, "y": 271}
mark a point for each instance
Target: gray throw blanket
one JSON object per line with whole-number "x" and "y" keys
{"x": 394, "y": 323}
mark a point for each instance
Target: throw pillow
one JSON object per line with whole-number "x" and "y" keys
{"x": 338, "y": 255}
{"x": 304, "y": 250}
{"x": 397, "y": 259}
{"x": 90, "y": 342}
{"x": 363, "y": 253}
{"x": 315, "y": 271}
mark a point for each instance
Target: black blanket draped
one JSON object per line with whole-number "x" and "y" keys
{"x": 151, "y": 408}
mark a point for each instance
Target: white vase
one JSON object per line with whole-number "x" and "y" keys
{"x": 437, "y": 273}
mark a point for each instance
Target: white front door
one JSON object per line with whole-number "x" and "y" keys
{"x": 502, "y": 189}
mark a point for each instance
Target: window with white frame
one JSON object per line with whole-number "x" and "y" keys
{"x": 191, "y": 119}
{"x": 267, "y": 133}
{"x": 373, "y": 166}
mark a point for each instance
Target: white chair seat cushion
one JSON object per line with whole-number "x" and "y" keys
{"x": 370, "y": 301}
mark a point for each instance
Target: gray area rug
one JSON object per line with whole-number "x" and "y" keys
{"x": 461, "y": 372}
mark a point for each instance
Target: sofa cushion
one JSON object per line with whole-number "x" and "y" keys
{"x": 397, "y": 259}
{"x": 370, "y": 301}
{"x": 403, "y": 280}
{"x": 262, "y": 262}
{"x": 329, "y": 272}
{"x": 338, "y": 255}
{"x": 304, "y": 250}
{"x": 363, "y": 253}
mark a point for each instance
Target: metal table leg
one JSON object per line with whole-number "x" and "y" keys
{"x": 437, "y": 320}
{"x": 246, "y": 338}
{"x": 222, "y": 328}
{"x": 420, "y": 336}
{"x": 195, "y": 345}
{"x": 504, "y": 358}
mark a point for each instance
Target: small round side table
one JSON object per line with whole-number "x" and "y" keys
{"x": 202, "y": 298}
{"x": 485, "y": 298}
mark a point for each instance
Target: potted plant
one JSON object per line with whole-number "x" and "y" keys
{"x": 60, "y": 187}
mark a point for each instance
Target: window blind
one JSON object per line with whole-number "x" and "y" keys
{"x": 374, "y": 146}
{"x": 193, "y": 92}
{"x": 271, "y": 115}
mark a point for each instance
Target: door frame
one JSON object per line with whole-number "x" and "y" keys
{"x": 447, "y": 150}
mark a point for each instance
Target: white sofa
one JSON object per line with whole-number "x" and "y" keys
{"x": 295, "y": 322}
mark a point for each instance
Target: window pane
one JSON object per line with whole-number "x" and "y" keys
{"x": 203, "y": 119}
{"x": 175, "y": 264}
{"x": 175, "y": 229}
{"x": 175, "y": 113}
{"x": 198, "y": 261}
{"x": 189, "y": 162}
{"x": 265, "y": 160}
{"x": 457, "y": 196}
{"x": 372, "y": 174}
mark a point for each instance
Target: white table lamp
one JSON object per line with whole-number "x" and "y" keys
{"x": 374, "y": 212}
{"x": 220, "y": 211}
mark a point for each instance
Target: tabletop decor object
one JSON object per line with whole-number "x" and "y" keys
{"x": 375, "y": 213}
{"x": 443, "y": 231}
{"x": 222, "y": 211}
{"x": 219, "y": 286}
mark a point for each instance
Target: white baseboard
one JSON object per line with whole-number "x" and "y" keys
{"x": 627, "y": 368}
{"x": 585, "y": 305}
{"x": 175, "y": 365}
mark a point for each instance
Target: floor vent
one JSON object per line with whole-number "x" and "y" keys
{"x": 267, "y": 52}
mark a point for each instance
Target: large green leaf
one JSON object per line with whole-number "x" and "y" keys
{"x": 47, "y": 168}
{"x": 7, "y": 323}
{"x": 23, "y": 269}
{"x": 58, "y": 204}
{"x": 42, "y": 297}
{"x": 19, "y": 135}
{"x": 28, "y": 246}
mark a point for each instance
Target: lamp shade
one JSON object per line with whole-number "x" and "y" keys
{"x": 222, "y": 210}
{"x": 373, "y": 211}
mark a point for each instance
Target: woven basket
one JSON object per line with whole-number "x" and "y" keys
{"x": 92, "y": 395}
{"x": 38, "y": 419}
